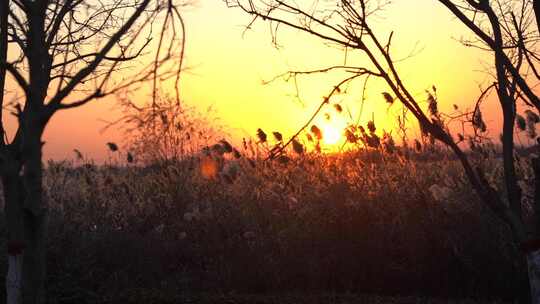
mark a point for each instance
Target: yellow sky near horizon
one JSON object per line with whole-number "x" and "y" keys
{"x": 227, "y": 71}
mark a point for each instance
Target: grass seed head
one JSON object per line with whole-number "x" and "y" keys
{"x": 129, "y": 157}
{"x": 362, "y": 130}
{"x": 521, "y": 123}
{"x": 478, "y": 121}
{"x": 371, "y": 126}
{"x": 531, "y": 129}
{"x": 297, "y": 147}
{"x": 351, "y": 138}
{"x": 417, "y": 145}
{"x": 432, "y": 105}
{"x": 112, "y": 146}
{"x": 261, "y": 135}
{"x": 278, "y": 136}
{"x": 218, "y": 149}
{"x": 78, "y": 154}
{"x": 388, "y": 98}
{"x": 226, "y": 146}
{"x": 317, "y": 132}
{"x": 532, "y": 117}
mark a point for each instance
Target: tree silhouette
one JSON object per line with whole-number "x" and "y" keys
{"x": 57, "y": 55}
{"x": 345, "y": 24}
{"x": 507, "y": 29}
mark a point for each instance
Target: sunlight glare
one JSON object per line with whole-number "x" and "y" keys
{"x": 331, "y": 134}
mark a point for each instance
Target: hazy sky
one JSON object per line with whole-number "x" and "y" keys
{"x": 227, "y": 70}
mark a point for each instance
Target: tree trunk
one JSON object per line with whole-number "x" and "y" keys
{"x": 13, "y": 205}
{"x": 35, "y": 224}
{"x": 532, "y": 249}
{"x": 35, "y": 227}
{"x": 533, "y": 266}
{"x": 14, "y": 279}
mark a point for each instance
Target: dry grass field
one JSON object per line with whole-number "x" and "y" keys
{"x": 214, "y": 226}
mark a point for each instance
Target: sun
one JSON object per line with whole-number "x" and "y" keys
{"x": 331, "y": 134}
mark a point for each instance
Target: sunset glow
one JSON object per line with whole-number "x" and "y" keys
{"x": 230, "y": 80}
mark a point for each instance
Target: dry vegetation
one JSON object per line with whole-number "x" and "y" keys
{"x": 208, "y": 221}
{"x": 367, "y": 221}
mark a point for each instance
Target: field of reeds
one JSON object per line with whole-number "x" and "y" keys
{"x": 223, "y": 223}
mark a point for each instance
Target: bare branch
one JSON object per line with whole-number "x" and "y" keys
{"x": 57, "y": 99}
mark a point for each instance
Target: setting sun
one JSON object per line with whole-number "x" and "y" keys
{"x": 331, "y": 134}
{"x": 332, "y": 130}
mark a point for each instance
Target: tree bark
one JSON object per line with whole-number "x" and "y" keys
{"x": 13, "y": 205}
{"x": 14, "y": 279}
{"x": 533, "y": 256}
{"x": 513, "y": 191}
{"x": 35, "y": 223}
{"x": 33, "y": 274}
{"x": 533, "y": 266}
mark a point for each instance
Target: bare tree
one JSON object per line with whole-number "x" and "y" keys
{"x": 58, "y": 55}
{"x": 345, "y": 24}
{"x": 510, "y": 32}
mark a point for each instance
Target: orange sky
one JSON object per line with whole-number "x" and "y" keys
{"x": 228, "y": 70}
